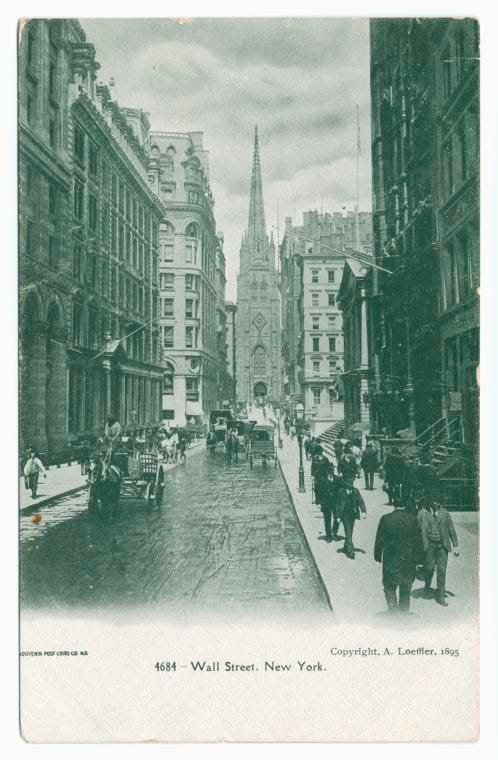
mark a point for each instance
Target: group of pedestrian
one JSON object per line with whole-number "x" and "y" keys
{"x": 173, "y": 446}
{"x": 414, "y": 540}
{"x": 408, "y": 542}
{"x": 339, "y": 500}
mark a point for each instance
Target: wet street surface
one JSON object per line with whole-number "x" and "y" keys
{"x": 226, "y": 538}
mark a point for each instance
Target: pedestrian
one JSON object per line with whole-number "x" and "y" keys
{"x": 369, "y": 464}
{"x": 439, "y": 538}
{"x": 347, "y": 466}
{"x": 399, "y": 546}
{"x": 393, "y": 474}
{"x": 32, "y": 470}
{"x": 292, "y": 431}
{"x": 338, "y": 450}
{"x": 235, "y": 447}
{"x": 350, "y": 507}
{"x": 356, "y": 452}
{"x": 321, "y": 470}
{"x": 182, "y": 447}
{"x": 329, "y": 507}
{"x": 308, "y": 446}
{"x": 411, "y": 477}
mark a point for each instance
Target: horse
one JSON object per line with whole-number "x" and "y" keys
{"x": 104, "y": 486}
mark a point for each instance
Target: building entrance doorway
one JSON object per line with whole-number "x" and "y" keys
{"x": 260, "y": 391}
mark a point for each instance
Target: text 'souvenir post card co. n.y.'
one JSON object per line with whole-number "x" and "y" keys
{"x": 249, "y": 340}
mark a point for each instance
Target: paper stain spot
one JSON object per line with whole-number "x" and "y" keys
{"x": 36, "y": 519}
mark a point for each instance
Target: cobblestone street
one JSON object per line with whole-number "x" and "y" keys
{"x": 225, "y": 538}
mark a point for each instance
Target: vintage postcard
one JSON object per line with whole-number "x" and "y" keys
{"x": 249, "y": 389}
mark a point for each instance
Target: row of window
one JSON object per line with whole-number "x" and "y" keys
{"x": 332, "y": 343}
{"x": 191, "y": 308}
{"x": 332, "y": 366}
{"x": 330, "y": 274}
{"x": 167, "y": 281}
{"x": 191, "y": 337}
{"x": 460, "y": 152}
{"x": 191, "y": 386}
{"x": 460, "y": 50}
{"x": 317, "y": 395}
{"x": 331, "y": 321}
{"x": 167, "y": 252}
{"x": 315, "y": 299}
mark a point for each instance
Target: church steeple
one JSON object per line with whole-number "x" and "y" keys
{"x": 256, "y": 229}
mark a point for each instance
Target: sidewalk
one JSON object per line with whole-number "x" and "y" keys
{"x": 64, "y": 480}
{"x": 355, "y": 587}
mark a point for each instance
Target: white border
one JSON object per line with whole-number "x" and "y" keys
{"x": 12, "y": 745}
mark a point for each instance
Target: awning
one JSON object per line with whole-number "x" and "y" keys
{"x": 193, "y": 409}
{"x": 168, "y": 402}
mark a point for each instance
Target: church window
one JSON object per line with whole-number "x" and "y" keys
{"x": 260, "y": 361}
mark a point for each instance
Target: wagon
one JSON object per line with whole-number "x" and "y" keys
{"x": 262, "y": 445}
{"x": 143, "y": 477}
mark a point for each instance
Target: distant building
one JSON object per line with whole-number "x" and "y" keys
{"x": 88, "y": 249}
{"x": 312, "y": 330}
{"x": 191, "y": 273}
{"x": 231, "y": 311}
{"x": 353, "y": 300}
{"x": 258, "y": 358}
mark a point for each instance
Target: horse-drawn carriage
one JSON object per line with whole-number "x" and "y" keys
{"x": 220, "y": 422}
{"x": 262, "y": 445}
{"x": 119, "y": 473}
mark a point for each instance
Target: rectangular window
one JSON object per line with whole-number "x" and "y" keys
{"x": 315, "y": 323}
{"x": 331, "y": 275}
{"x": 30, "y": 107}
{"x": 92, "y": 213}
{"x": 168, "y": 252}
{"x": 189, "y": 308}
{"x": 168, "y": 384}
{"x": 79, "y": 144}
{"x": 168, "y": 307}
{"x": 93, "y": 159}
{"x": 78, "y": 200}
{"x": 30, "y": 53}
{"x": 314, "y": 299}
{"x": 169, "y": 281}
{"x": 316, "y": 344}
{"x": 121, "y": 242}
{"x": 316, "y": 367}
{"x": 332, "y": 366}
{"x": 189, "y": 282}
{"x": 189, "y": 337}
{"x": 316, "y": 396}
{"x": 188, "y": 254}
{"x": 52, "y": 251}
{"x": 314, "y": 276}
{"x": 332, "y": 320}
{"x": 447, "y": 73}
{"x": 331, "y": 299}
{"x": 52, "y": 199}
{"x": 105, "y": 223}
{"x": 121, "y": 193}
{"x": 168, "y": 336}
{"x": 135, "y": 252}
{"x": 114, "y": 284}
{"x": 114, "y": 189}
{"x": 332, "y": 347}
{"x": 128, "y": 204}
{"x": 77, "y": 261}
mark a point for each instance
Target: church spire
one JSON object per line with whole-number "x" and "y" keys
{"x": 256, "y": 227}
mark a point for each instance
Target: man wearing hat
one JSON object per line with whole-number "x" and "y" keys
{"x": 399, "y": 546}
{"x": 369, "y": 465}
{"x": 350, "y": 507}
{"x": 440, "y": 538}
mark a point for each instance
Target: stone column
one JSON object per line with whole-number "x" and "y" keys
{"x": 56, "y": 398}
{"x": 33, "y": 392}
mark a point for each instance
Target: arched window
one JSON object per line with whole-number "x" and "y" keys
{"x": 260, "y": 361}
{"x": 192, "y": 230}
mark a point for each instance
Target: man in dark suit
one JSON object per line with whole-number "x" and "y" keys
{"x": 399, "y": 546}
{"x": 349, "y": 508}
{"x": 322, "y": 470}
{"x": 394, "y": 469}
{"x": 440, "y": 538}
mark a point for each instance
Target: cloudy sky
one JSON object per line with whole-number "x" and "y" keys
{"x": 298, "y": 79}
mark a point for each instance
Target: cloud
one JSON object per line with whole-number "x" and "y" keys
{"x": 299, "y": 79}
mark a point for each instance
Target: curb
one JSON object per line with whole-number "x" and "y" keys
{"x": 303, "y": 533}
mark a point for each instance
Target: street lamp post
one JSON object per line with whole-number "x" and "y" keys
{"x": 299, "y": 427}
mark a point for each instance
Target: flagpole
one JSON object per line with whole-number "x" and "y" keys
{"x": 358, "y": 148}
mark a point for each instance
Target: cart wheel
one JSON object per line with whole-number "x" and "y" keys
{"x": 92, "y": 497}
{"x": 250, "y": 462}
{"x": 150, "y": 495}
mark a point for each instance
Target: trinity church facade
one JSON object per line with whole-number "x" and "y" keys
{"x": 258, "y": 353}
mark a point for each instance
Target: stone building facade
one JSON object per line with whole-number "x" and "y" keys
{"x": 191, "y": 262}
{"x": 258, "y": 354}
{"x": 312, "y": 322}
{"x": 353, "y": 300}
{"x": 425, "y": 145}
{"x": 88, "y": 247}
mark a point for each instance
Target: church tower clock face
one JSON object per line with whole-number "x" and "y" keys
{"x": 258, "y": 303}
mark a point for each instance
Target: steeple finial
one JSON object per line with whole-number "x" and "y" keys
{"x": 256, "y": 227}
